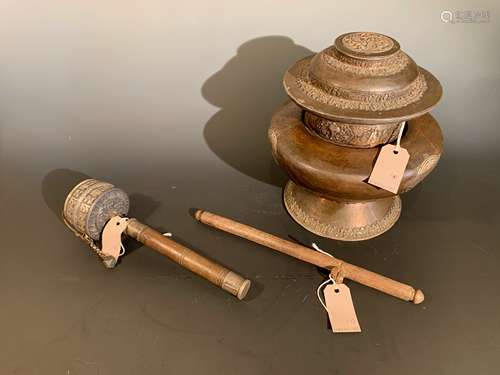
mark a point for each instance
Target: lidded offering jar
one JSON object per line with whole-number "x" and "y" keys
{"x": 347, "y": 101}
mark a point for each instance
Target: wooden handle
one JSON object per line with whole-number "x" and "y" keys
{"x": 347, "y": 270}
{"x": 187, "y": 258}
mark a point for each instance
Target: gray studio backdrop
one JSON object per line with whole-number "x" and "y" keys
{"x": 171, "y": 100}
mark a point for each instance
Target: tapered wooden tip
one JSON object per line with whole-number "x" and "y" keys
{"x": 197, "y": 214}
{"x": 418, "y": 297}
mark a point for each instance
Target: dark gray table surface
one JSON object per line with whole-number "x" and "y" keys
{"x": 62, "y": 312}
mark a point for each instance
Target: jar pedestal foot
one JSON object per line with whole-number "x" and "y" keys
{"x": 340, "y": 220}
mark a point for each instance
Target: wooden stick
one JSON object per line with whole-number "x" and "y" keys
{"x": 338, "y": 267}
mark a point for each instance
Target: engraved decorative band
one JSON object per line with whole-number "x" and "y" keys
{"x": 339, "y": 232}
{"x": 352, "y": 135}
{"x": 345, "y": 99}
{"x": 365, "y": 68}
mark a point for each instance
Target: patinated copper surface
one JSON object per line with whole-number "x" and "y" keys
{"x": 329, "y": 195}
{"x": 338, "y": 172}
{"x": 348, "y": 100}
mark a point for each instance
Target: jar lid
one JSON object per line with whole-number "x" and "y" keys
{"x": 365, "y": 78}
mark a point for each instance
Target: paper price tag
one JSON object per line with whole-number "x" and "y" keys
{"x": 389, "y": 168}
{"x": 340, "y": 308}
{"x": 112, "y": 237}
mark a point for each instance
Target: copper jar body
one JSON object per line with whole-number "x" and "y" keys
{"x": 348, "y": 101}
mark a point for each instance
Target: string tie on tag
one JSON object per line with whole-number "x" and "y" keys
{"x": 330, "y": 279}
{"x": 400, "y": 135}
{"x": 320, "y": 288}
{"x": 122, "y": 250}
{"x": 316, "y": 247}
{"x": 336, "y": 270}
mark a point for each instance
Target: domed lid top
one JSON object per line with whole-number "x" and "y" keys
{"x": 364, "y": 77}
{"x": 366, "y": 45}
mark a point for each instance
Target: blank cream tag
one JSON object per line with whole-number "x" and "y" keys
{"x": 340, "y": 308}
{"x": 389, "y": 168}
{"x": 112, "y": 236}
